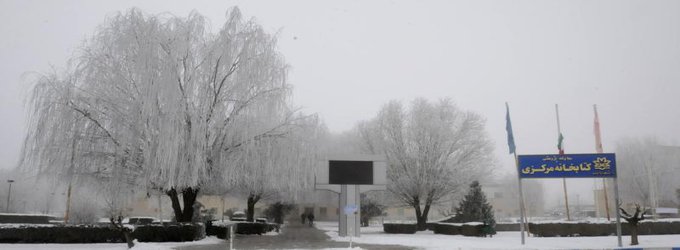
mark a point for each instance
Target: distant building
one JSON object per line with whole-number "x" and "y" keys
{"x": 503, "y": 195}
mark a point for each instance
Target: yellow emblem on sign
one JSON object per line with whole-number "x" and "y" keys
{"x": 602, "y": 163}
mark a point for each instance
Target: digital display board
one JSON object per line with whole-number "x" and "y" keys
{"x": 350, "y": 172}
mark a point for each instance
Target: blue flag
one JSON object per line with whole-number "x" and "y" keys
{"x": 508, "y": 128}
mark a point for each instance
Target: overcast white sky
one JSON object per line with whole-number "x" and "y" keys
{"x": 350, "y": 57}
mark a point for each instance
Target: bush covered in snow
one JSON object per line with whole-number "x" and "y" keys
{"x": 466, "y": 229}
{"x": 601, "y": 229}
{"x": 99, "y": 233}
{"x": 220, "y": 229}
{"x": 399, "y": 228}
{"x": 25, "y": 218}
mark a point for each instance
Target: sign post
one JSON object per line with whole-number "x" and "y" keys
{"x": 351, "y": 210}
{"x": 572, "y": 166}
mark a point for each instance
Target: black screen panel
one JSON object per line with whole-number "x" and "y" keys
{"x": 350, "y": 172}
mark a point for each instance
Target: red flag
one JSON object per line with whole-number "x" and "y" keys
{"x": 596, "y": 130}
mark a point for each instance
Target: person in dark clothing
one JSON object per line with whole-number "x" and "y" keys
{"x": 303, "y": 216}
{"x": 310, "y": 218}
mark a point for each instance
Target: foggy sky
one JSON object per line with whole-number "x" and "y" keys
{"x": 350, "y": 57}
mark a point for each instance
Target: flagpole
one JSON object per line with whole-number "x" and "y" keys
{"x": 522, "y": 223}
{"x": 513, "y": 150}
{"x": 561, "y": 151}
{"x": 599, "y": 150}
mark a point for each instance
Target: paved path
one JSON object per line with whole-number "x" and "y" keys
{"x": 295, "y": 236}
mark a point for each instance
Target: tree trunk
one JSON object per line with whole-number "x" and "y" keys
{"x": 250, "y": 212}
{"x": 421, "y": 217}
{"x": 633, "y": 235}
{"x": 176, "y": 208}
{"x": 188, "y": 198}
{"x": 128, "y": 238}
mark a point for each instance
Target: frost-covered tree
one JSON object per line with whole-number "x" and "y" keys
{"x": 157, "y": 101}
{"x": 475, "y": 207}
{"x": 276, "y": 168}
{"x": 647, "y": 171}
{"x": 433, "y": 149}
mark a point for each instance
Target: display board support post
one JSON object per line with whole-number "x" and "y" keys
{"x": 349, "y": 196}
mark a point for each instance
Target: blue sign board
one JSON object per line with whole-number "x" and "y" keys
{"x": 567, "y": 166}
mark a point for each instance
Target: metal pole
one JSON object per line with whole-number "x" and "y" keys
{"x": 599, "y": 150}
{"x": 68, "y": 204}
{"x": 564, "y": 180}
{"x": 606, "y": 200}
{"x": 160, "y": 208}
{"x": 521, "y": 200}
{"x": 566, "y": 200}
{"x": 618, "y": 215}
{"x": 9, "y": 194}
{"x": 231, "y": 235}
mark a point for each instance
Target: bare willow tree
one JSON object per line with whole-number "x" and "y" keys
{"x": 433, "y": 149}
{"x": 155, "y": 101}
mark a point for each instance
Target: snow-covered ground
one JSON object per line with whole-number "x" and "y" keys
{"x": 422, "y": 240}
{"x": 502, "y": 240}
{"x": 112, "y": 246}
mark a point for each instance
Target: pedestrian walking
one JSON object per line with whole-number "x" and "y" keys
{"x": 310, "y": 218}
{"x": 303, "y": 216}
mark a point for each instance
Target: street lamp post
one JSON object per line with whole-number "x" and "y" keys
{"x": 9, "y": 194}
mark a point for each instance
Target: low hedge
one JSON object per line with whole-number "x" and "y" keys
{"x": 507, "y": 227}
{"x": 465, "y": 229}
{"x": 398, "y": 228}
{"x": 220, "y": 230}
{"x": 166, "y": 233}
{"x": 446, "y": 228}
{"x": 99, "y": 233}
{"x": 25, "y": 218}
{"x": 601, "y": 229}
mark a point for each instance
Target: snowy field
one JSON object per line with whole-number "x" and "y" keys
{"x": 421, "y": 240}
{"x": 502, "y": 240}
{"x": 112, "y": 246}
